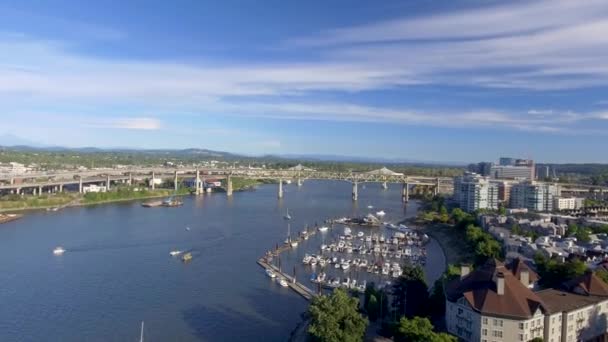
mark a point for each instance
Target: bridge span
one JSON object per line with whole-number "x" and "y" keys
{"x": 55, "y": 181}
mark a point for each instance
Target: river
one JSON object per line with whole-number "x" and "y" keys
{"x": 117, "y": 270}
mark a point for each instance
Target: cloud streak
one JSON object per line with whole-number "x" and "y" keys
{"x": 540, "y": 46}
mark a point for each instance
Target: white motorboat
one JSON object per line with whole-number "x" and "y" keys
{"x": 323, "y": 229}
{"x": 306, "y": 259}
{"x": 283, "y": 282}
{"x": 370, "y": 207}
{"x": 336, "y": 265}
{"x": 368, "y": 238}
{"x": 380, "y": 213}
{"x": 294, "y": 243}
{"x": 175, "y": 253}
{"x": 270, "y": 273}
{"x": 345, "y": 266}
{"x": 363, "y": 263}
{"x": 347, "y": 231}
{"x": 58, "y": 250}
{"x": 360, "y": 234}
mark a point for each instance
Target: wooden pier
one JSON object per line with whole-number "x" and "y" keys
{"x": 300, "y": 289}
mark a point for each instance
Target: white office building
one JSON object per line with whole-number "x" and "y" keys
{"x": 512, "y": 172}
{"x": 567, "y": 203}
{"x": 473, "y": 192}
{"x": 534, "y": 196}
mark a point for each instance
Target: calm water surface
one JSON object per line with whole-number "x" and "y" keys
{"x": 118, "y": 272}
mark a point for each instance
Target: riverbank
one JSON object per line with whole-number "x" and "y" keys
{"x": 79, "y": 200}
{"x": 5, "y": 218}
{"x": 452, "y": 242}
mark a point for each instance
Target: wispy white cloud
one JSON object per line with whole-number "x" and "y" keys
{"x": 146, "y": 124}
{"x": 541, "y": 45}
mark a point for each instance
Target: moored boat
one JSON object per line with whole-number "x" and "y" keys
{"x": 270, "y": 273}
{"x": 58, "y": 250}
{"x": 187, "y": 257}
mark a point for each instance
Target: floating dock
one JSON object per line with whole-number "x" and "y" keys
{"x": 300, "y": 289}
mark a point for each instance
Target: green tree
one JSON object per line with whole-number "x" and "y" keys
{"x": 373, "y": 308}
{"x": 420, "y": 329}
{"x": 536, "y": 339}
{"x": 553, "y": 273}
{"x": 410, "y": 292}
{"x": 335, "y": 318}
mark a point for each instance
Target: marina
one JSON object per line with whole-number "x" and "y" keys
{"x": 350, "y": 259}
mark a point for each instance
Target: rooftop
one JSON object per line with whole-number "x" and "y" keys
{"x": 560, "y": 301}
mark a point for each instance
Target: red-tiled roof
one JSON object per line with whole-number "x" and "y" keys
{"x": 589, "y": 284}
{"x": 479, "y": 289}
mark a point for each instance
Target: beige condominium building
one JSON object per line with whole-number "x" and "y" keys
{"x": 498, "y": 302}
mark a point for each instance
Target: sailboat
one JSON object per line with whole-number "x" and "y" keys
{"x": 288, "y": 240}
{"x": 287, "y": 216}
{"x": 141, "y": 335}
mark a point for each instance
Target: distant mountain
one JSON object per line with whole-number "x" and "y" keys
{"x": 15, "y": 143}
{"x": 9, "y": 139}
{"x": 355, "y": 159}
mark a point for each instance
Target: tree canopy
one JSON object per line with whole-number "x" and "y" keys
{"x": 335, "y": 318}
{"x": 420, "y": 329}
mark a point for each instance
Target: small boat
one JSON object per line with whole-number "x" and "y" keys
{"x": 360, "y": 234}
{"x": 172, "y": 202}
{"x": 380, "y": 213}
{"x": 347, "y": 231}
{"x": 294, "y": 243}
{"x": 187, "y": 257}
{"x": 370, "y": 207}
{"x": 287, "y": 216}
{"x": 174, "y": 253}
{"x": 283, "y": 282}
{"x": 270, "y": 273}
{"x": 188, "y": 228}
{"x": 323, "y": 229}
{"x": 58, "y": 250}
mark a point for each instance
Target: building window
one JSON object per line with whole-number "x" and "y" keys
{"x": 484, "y": 332}
{"x": 497, "y": 333}
{"x": 485, "y": 320}
{"x": 459, "y": 311}
{"x": 521, "y": 326}
{"x": 521, "y": 337}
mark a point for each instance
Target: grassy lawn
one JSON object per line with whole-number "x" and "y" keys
{"x": 16, "y": 202}
{"x": 124, "y": 194}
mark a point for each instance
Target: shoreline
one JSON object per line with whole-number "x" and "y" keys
{"x": 80, "y": 203}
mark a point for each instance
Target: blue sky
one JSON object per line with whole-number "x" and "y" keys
{"x": 426, "y": 80}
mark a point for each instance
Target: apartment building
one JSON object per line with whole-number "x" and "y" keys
{"x": 534, "y": 196}
{"x": 473, "y": 192}
{"x": 497, "y": 302}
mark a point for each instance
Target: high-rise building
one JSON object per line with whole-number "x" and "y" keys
{"x": 505, "y": 161}
{"x": 511, "y": 168}
{"x": 483, "y": 168}
{"x": 473, "y": 191}
{"x": 534, "y": 196}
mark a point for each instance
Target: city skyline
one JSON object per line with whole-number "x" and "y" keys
{"x": 439, "y": 82}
